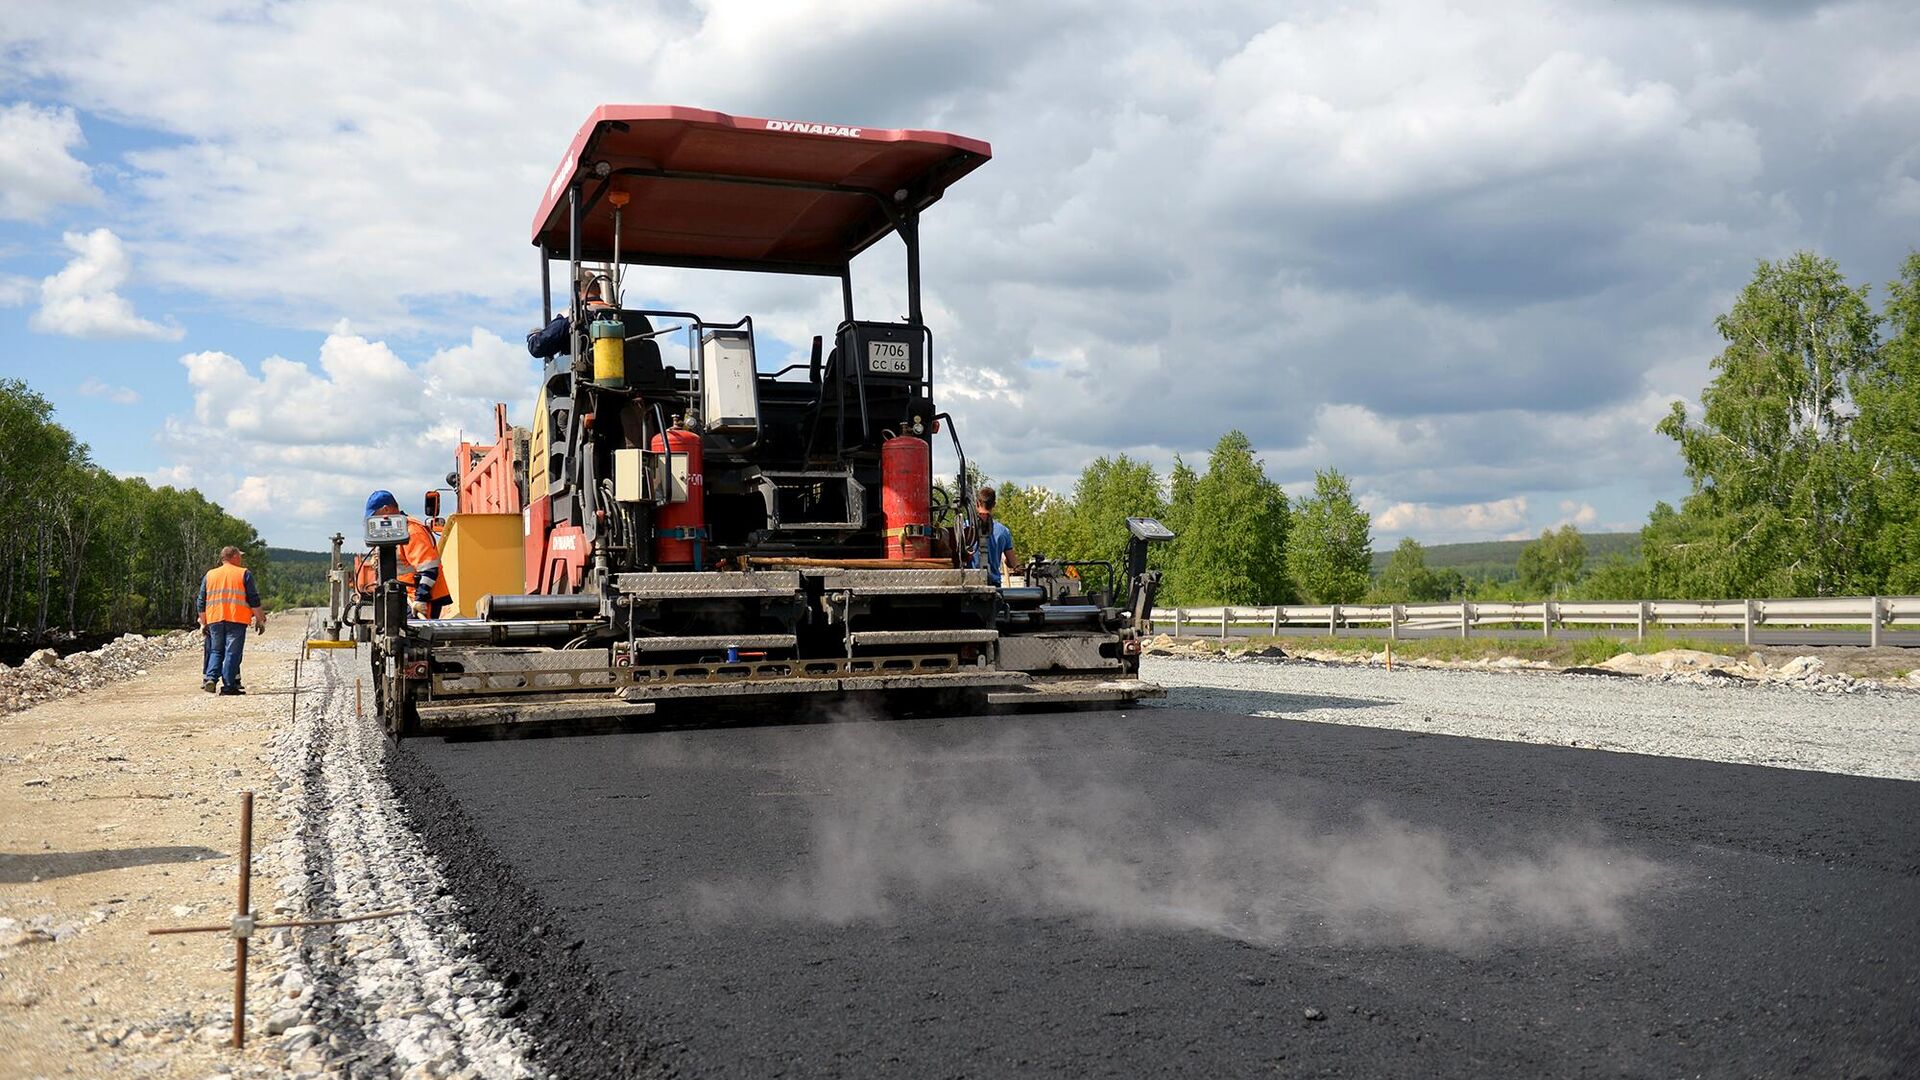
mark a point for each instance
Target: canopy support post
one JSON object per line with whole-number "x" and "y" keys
{"x": 573, "y": 260}
{"x": 908, "y": 224}
{"x": 546, "y": 287}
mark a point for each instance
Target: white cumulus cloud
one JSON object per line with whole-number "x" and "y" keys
{"x": 38, "y": 170}
{"x": 485, "y": 368}
{"x": 1434, "y": 523}
{"x": 1465, "y": 254}
{"x": 296, "y": 445}
{"x": 1580, "y": 515}
{"x": 83, "y": 301}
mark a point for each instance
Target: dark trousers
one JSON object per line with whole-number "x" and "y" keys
{"x": 225, "y": 642}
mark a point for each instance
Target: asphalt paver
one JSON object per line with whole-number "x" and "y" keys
{"x": 1170, "y": 891}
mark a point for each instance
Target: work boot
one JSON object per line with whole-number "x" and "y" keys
{"x": 210, "y": 685}
{"x": 232, "y": 691}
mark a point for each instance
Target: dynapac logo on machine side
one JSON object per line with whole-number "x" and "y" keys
{"x": 813, "y": 129}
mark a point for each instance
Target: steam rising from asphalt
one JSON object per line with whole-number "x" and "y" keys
{"x": 897, "y": 825}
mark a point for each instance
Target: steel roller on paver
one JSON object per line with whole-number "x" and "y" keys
{"x": 681, "y": 527}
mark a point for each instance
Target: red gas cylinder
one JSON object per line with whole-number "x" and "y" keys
{"x": 680, "y": 528}
{"x": 906, "y": 481}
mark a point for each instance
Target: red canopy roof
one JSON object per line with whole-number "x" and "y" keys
{"x": 738, "y": 192}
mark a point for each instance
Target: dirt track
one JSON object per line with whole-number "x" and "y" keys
{"x": 118, "y": 812}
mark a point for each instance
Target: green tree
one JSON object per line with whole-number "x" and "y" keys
{"x": 1617, "y": 577}
{"x": 1330, "y": 553}
{"x": 1406, "y": 579}
{"x": 1180, "y": 486}
{"x": 1780, "y": 503}
{"x": 1552, "y": 563}
{"x": 1090, "y": 525}
{"x": 82, "y": 547}
{"x": 1037, "y": 518}
{"x": 1110, "y": 491}
{"x": 1232, "y": 524}
{"x": 1889, "y": 434}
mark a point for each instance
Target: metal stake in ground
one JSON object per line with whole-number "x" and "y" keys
{"x": 243, "y": 921}
{"x": 243, "y": 926}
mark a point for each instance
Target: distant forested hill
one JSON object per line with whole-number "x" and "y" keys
{"x": 292, "y": 578}
{"x": 1497, "y": 560}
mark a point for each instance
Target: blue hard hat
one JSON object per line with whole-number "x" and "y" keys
{"x": 379, "y": 499}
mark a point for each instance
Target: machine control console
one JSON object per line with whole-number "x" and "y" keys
{"x": 1144, "y": 528}
{"x": 385, "y": 530}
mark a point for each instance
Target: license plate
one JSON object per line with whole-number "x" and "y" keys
{"x": 889, "y": 358}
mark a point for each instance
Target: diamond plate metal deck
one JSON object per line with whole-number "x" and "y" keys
{"x": 1057, "y": 652}
{"x": 906, "y": 582}
{"x": 720, "y": 583}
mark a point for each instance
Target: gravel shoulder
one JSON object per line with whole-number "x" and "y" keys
{"x": 1866, "y": 734}
{"x": 119, "y": 812}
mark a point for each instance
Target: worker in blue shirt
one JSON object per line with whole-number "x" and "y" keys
{"x": 556, "y": 338}
{"x": 993, "y": 548}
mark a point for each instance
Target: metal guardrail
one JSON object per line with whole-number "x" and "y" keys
{"x": 1873, "y": 613}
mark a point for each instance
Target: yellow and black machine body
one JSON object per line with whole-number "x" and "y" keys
{"x": 700, "y": 527}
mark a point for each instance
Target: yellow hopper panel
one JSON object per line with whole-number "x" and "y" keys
{"x": 481, "y": 554}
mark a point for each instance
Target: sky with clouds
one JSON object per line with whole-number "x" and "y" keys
{"x": 1465, "y": 255}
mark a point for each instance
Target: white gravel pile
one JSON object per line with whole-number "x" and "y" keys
{"x": 397, "y": 997}
{"x": 1871, "y": 732}
{"x": 46, "y": 675}
{"x": 1710, "y": 669}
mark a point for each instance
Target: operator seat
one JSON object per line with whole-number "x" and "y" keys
{"x": 644, "y": 368}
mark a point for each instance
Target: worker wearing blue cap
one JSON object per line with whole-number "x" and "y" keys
{"x": 419, "y": 559}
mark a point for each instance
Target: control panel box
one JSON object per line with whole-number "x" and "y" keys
{"x": 729, "y": 397}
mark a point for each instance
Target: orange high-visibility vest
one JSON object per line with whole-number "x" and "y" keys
{"x": 227, "y": 594}
{"x": 421, "y": 553}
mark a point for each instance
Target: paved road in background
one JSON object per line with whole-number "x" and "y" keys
{"x": 1888, "y": 638}
{"x": 1169, "y": 890}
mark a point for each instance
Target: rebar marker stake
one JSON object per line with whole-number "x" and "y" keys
{"x": 243, "y": 921}
{"x": 243, "y": 924}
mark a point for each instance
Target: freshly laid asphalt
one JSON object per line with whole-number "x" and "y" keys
{"x": 1174, "y": 891}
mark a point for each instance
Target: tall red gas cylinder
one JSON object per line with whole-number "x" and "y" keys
{"x": 680, "y": 527}
{"x": 906, "y": 483}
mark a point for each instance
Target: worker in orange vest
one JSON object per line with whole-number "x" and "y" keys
{"x": 419, "y": 560}
{"x": 228, "y": 602}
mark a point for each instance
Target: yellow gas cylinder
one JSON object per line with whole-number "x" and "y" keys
{"x": 609, "y": 352}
